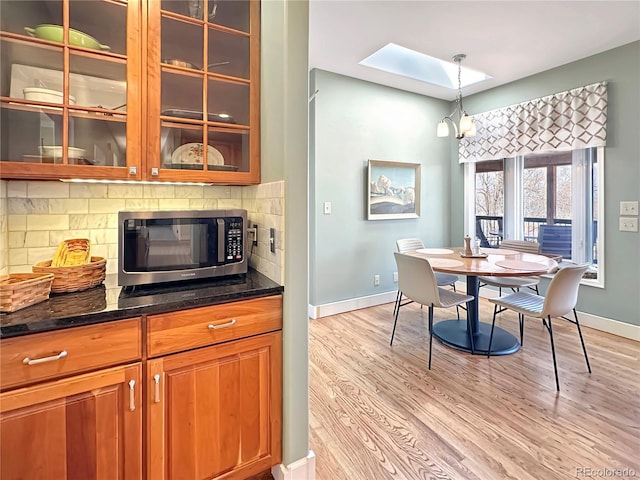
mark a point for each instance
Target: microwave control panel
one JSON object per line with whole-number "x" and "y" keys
{"x": 234, "y": 241}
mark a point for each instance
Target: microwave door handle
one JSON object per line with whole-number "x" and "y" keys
{"x": 221, "y": 249}
{"x": 147, "y": 246}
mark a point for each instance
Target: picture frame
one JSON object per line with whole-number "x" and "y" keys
{"x": 393, "y": 190}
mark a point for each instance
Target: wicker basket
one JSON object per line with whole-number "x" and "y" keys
{"x": 76, "y": 278}
{"x": 19, "y": 290}
{"x": 70, "y": 248}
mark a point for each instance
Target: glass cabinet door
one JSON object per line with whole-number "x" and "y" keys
{"x": 204, "y": 90}
{"x": 66, "y": 68}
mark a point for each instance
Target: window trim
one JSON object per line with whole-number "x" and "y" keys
{"x": 511, "y": 171}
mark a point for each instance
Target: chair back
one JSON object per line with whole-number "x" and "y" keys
{"x": 555, "y": 239}
{"x": 562, "y": 293}
{"x": 521, "y": 246}
{"x": 416, "y": 279}
{"x": 480, "y": 234}
{"x": 409, "y": 244}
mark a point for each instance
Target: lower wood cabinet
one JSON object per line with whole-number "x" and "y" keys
{"x": 82, "y": 427}
{"x": 208, "y": 384}
{"x": 215, "y": 412}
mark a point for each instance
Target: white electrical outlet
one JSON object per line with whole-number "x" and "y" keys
{"x": 628, "y": 224}
{"x": 395, "y": 277}
{"x": 629, "y": 208}
{"x": 376, "y": 280}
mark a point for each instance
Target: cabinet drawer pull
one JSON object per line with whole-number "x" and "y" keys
{"x": 156, "y": 379}
{"x": 36, "y": 361}
{"x": 132, "y": 395}
{"x": 222, "y": 325}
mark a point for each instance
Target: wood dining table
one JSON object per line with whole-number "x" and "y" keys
{"x": 497, "y": 262}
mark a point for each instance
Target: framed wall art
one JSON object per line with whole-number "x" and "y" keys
{"x": 393, "y": 190}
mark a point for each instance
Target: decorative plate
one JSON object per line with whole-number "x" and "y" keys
{"x": 193, "y": 154}
{"x": 435, "y": 251}
{"x": 445, "y": 262}
{"x": 522, "y": 265}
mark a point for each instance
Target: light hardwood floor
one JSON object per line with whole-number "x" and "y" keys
{"x": 377, "y": 413}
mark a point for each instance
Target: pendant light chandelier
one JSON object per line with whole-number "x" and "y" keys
{"x": 465, "y": 126}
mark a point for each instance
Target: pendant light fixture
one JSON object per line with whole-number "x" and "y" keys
{"x": 464, "y": 126}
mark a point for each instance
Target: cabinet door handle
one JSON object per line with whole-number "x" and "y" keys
{"x": 222, "y": 325}
{"x": 132, "y": 395}
{"x": 36, "y": 361}
{"x": 156, "y": 379}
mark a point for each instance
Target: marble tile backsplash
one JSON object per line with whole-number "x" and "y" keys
{"x": 4, "y": 251}
{"x": 35, "y": 216}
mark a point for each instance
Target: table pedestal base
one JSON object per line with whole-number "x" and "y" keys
{"x": 453, "y": 333}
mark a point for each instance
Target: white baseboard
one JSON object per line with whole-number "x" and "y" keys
{"x": 351, "y": 304}
{"x": 609, "y": 325}
{"x": 615, "y": 327}
{"x": 603, "y": 324}
{"x": 303, "y": 469}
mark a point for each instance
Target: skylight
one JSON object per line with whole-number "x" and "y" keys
{"x": 403, "y": 61}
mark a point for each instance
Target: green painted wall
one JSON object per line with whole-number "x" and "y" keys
{"x": 620, "y": 67}
{"x": 284, "y": 134}
{"x": 354, "y": 121}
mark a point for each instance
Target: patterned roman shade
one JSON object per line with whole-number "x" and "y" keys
{"x": 564, "y": 121}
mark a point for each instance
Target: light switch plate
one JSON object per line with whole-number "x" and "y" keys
{"x": 629, "y": 208}
{"x": 628, "y": 224}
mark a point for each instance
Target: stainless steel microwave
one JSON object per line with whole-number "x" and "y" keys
{"x": 169, "y": 246}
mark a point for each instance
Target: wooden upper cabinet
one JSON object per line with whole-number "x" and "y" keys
{"x": 163, "y": 90}
{"x": 203, "y": 90}
{"x": 70, "y": 90}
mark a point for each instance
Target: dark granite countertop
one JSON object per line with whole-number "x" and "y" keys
{"x": 109, "y": 302}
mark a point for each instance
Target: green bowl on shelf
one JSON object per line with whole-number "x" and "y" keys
{"x": 53, "y": 33}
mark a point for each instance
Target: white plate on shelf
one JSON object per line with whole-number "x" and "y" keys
{"x": 86, "y": 89}
{"x": 56, "y": 151}
{"x": 46, "y": 95}
{"x": 193, "y": 154}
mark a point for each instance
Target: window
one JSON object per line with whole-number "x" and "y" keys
{"x": 550, "y": 198}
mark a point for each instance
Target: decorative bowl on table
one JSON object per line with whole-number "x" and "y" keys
{"x": 54, "y": 33}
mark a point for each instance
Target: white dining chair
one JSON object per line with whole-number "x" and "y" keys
{"x": 560, "y": 299}
{"x": 514, "y": 283}
{"x": 405, "y": 245}
{"x": 417, "y": 282}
